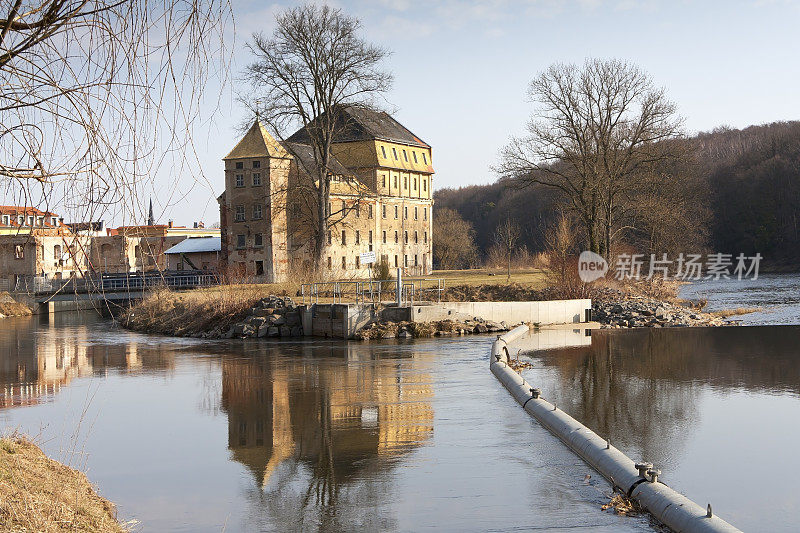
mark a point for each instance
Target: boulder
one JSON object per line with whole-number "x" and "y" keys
{"x": 263, "y": 330}
{"x": 248, "y": 331}
{"x": 285, "y": 331}
{"x": 273, "y": 331}
{"x": 297, "y": 331}
{"x": 277, "y": 320}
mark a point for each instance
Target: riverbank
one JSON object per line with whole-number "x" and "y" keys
{"x": 10, "y": 307}
{"x": 43, "y": 495}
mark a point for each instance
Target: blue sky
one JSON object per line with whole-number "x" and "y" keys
{"x": 462, "y": 67}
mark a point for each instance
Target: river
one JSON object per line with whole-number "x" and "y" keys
{"x": 191, "y": 435}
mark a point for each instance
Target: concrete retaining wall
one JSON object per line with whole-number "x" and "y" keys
{"x": 550, "y": 312}
{"x": 672, "y": 508}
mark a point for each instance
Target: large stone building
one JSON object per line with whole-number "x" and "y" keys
{"x": 381, "y": 201}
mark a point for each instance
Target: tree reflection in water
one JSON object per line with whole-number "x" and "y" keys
{"x": 640, "y": 387}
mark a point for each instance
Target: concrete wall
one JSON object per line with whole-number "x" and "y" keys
{"x": 550, "y": 312}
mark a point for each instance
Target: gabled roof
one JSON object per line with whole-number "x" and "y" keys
{"x": 361, "y": 124}
{"x": 257, "y": 142}
{"x": 305, "y": 155}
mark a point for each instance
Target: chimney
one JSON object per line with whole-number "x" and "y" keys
{"x": 195, "y": 225}
{"x": 169, "y": 224}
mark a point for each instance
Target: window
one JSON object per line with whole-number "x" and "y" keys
{"x": 358, "y": 237}
{"x": 370, "y": 236}
{"x": 329, "y": 262}
{"x": 395, "y": 182}
{"x": 57, "y": 252}
{"x": 344, "y": 237}
{"x": 405, "y": 237}
{"x": 240, "y": 180}
{"x": 396, "y": 211}
{"x": 240, "y": 241}
{"x": 256, "y": 164}
{"x": 405, "y": 212}
{"x": 405, "y": 182}
{"x": 30, "y": 220}
{"x": 415, "y": 260}
{"x": 384, "y": 211}
{"x": 344, "y": 207}
{"x": 257, "y": 212}
{"x": 405, "y": 260}
{"x": 425, "y": 159}
{"x": 384, "y": 180}
{"x": 415, "y": 184}
{"x": 425, "y": 213}
{"x": 6, "y": 220}
{"x": 344, "y": 263}
{"x": 259, "y": 268}
{"x": 358, "y": 261}
{"x": 19, "y": 251}
{"x": 20, "y": 220}
{"x": 383, "y": 151}
{"x": 40, "y": 221}
{"x": 329, "y": 236}
{"x": 54, "y": 221}
{"x": 384, "y": 237}
{"x": 415, "y": 157}
{"x": 424, "y": 185}
{"x": 396, "y": 264}
{"x": 239, "y": 164}
{"x": 416, "y": 237}
{"x": 239, "y": 213}
{"x": 358, "y": 210}
{"x": 258, "y": 240}
{"x": 369, "y": 211}
{"x": 416, "y": 213}
{"x": 425, "y": 237}
{"x": 394, "y": 151}
{"x": 396, "y": 237}
{"x": 405, "y": 156}
{"x": 256, "y": 179}
{"x": 180, "y": 263}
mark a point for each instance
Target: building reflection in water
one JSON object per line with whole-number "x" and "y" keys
{"x": 41, "y": 354}
{"x": 327, "y": 415}
{"x": 643, "y": 388}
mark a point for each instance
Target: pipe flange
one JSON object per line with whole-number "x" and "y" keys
{"x": 654, "y": 473}
{"x": 643, "y": 467}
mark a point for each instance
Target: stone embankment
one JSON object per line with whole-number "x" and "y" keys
{"x": 442, "y": 328}
{"x": 272, "y": 317}
{"x": 615, "y": 309}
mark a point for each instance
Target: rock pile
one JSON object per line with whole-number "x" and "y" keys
{"x": 614, "y": 309}
{"x": 442, "y": 328}
{"x": 272, "y": 317}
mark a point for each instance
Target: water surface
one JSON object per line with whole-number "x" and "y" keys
{"x": 189, "y": 435}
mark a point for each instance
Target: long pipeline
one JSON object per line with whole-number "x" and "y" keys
{"x": 638, "y": 480}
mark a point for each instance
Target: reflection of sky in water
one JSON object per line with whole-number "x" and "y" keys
{"x": 777, "y": 294}
{"x": 713, "y": 408}
{"x": 243, "y": 436}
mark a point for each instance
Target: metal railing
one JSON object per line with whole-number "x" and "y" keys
{"x": 114, "y": 283}
{"x": 372, "y": 291}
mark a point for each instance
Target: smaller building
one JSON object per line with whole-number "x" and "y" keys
{"x": 16, "y": 219}
{"x": 195, "y": 253}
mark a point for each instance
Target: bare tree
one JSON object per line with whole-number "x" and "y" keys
{"x": 95, "y": 95}
{"x": 453, "y": 240}
{"x": 312, "y": 66}
{"x": 595, "y": 129}
{"x": 506, "y": 237}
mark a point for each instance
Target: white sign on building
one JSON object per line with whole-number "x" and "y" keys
{"x": 367, "y": 258}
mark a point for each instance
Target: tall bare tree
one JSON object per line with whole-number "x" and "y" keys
{"x": 313, "y": 65}
{"x": 594, "y": 131}
{"x": 96, "y": 94}
{"x": 506, "y": 237}
{"x": 453, "y": 240}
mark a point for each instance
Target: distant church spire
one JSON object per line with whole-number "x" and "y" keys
{"x": 150, "y": 219}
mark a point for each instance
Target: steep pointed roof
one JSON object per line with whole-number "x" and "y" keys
{"x": 362, "y": 124}
{"x": 257, "y": 142}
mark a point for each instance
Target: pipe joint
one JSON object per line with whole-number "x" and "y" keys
{"x": 654, "y": 473}
{"x": 643, "y": 467}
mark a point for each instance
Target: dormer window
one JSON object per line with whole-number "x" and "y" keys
{"x": 383, "y": 151}
{"x": 239, "y": 165}
{"x": 405, "y": 156}
{"x": 54, "y": 221}
{"x": 6, "y": 220}
{"x": 40, "y": 221}
{"x": 415, "y": 156}
{"x": 394, "y": 151}
{"x": 30, "y": 221}
{"x": 20, "y": 220}
{"x": 424, "y": 158}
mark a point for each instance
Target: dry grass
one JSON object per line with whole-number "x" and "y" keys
{"x": 725, "y": 313}
{"x": 530, "y": 278}
{"x": 42, "y": 495}
{"x": 10, "y": 307}
{"x": 189, "y": 312}
{"x": 623, "y": 505}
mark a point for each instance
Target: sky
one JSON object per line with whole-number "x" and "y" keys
{"x": 462, "y": 68}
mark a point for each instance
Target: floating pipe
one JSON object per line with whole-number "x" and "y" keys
{"x": 673, "y": 509}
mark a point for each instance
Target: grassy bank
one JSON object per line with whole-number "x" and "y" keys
{"x": 42, "y": 495}
{"x": 197, "y": 311}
